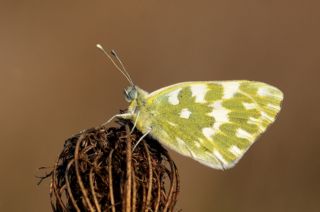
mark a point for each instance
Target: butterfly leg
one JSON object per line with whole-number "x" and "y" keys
{"x": 123, "y": 115}
{"x": 135, "y": 123}
{"x": 141, "y": 138}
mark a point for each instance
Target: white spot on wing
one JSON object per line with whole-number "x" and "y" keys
{"x": 185, "y": 113}
{"x": 199, "y": 91}
{"x": 265, "y": 116}
{"x": 262, "y": 91}
{"x": 173, "y": 97}
{"x": 220, "y": 115}
{"x": 208, "y": 132}
{"x": 241, "y": 133}
{"x": 273, "y": 107}
{"x": 217, "y": 105}
{"x": 197, "y": 144}
{"x": 230, "y": 89}
{"x": 249, "y": 106}
{"x": 235, "y": 150}
{"x": 253, "y": 120}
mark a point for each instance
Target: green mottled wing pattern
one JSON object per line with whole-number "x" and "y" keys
{"x": 213, "y": 122}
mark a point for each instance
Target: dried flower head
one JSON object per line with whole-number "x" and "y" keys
{"x": 98, "y": 171}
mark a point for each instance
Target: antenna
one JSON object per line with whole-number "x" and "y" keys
{"x": 122, "y": 69}
{"x": 113, "y": 53}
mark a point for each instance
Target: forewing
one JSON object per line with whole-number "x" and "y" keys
{"x": 213, "y": 122}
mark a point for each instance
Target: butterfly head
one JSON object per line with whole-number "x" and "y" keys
{"x": 135, "y": 94}
{"x": 136, "y": 97}
{"x": 130, "y": 93}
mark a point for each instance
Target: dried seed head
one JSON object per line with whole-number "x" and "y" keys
{"x": 97, "y": 171}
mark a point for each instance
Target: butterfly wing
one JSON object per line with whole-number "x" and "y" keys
{"x": 213, "y": 122}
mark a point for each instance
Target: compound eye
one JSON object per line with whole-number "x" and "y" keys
{"x": 130, "y": 94}
{"x": 133, "y": 94}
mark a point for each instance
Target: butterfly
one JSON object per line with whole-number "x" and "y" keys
{"x": 212, "y": 122}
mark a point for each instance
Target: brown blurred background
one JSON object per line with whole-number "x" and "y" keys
{"x": 54, "y": 83}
